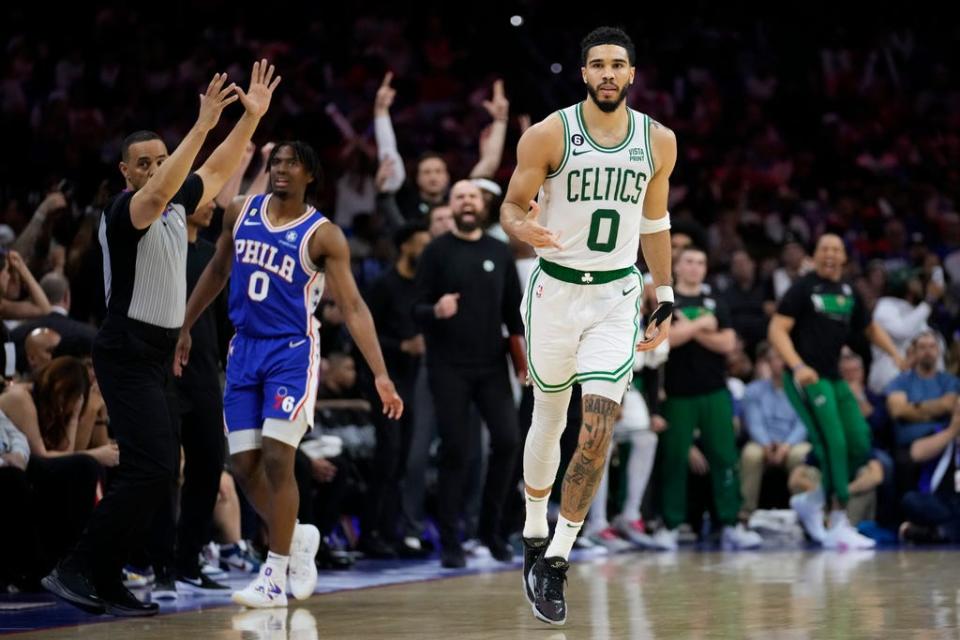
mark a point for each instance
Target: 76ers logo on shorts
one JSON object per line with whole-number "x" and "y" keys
{"x": 283, "y": 401}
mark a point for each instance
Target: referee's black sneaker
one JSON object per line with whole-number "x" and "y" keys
{"x": 548, "y": 578}
{"x": 533, "y": 550}
{"x": 74, "y": 587}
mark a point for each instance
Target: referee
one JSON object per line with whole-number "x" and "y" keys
{"x": 143, "y": 237}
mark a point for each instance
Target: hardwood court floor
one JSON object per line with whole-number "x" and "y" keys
{"x": 795, "y": 594}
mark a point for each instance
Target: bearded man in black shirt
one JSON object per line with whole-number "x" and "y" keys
{"x": 468, "y": 289}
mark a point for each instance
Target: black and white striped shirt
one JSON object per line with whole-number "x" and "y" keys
{"x": 144, "y": 270}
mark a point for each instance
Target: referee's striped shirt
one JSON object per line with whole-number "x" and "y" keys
{"x": 144, "y": 270}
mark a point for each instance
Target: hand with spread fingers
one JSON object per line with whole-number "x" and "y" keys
{"x": 215, "y": 100}
{"x": 256, "y": 99}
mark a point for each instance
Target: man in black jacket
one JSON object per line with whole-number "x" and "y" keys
{"x": 468, "y": 289}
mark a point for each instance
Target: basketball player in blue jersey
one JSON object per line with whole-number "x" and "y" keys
{"x": 280, "y": 250}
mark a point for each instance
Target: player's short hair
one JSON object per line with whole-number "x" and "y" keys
{"x": 607, "y": 35}
{"x": 306, "y": 156}
{"x": 407, "y": 231}
{"x": 134, "y": 138}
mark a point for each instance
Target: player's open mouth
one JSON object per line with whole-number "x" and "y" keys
{"x": 280, "y": 183}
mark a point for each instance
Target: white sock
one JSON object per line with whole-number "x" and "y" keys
{"x": 276, "y": 568}
{"x": 563, "y": 538}
{"x": 643, "y": 452}
{"x": 535, "y": 524}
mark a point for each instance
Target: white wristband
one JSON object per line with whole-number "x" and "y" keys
{"x": 656, "y": 225}
{"x": 665, "y": 293}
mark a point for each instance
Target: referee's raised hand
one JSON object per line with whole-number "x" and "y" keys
{"x": 213, "y": 102}
{"x": 256, "y": 99}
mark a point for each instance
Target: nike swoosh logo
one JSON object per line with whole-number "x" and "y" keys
{"x": 626, "y": 291}
{"x": 572, "y": 526}
{"x": 580, "y": 153}
{"x": 294, "y": 345}
{"x": 247, "y": 223}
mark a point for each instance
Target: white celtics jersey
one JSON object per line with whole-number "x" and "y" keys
{"x": 594, "y": 199}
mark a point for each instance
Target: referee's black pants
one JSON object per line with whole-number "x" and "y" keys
{"x": 453, "y": 389}
{"x": 132, "y": 362}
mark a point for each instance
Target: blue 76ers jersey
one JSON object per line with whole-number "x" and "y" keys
{"x": 274, "y": 287}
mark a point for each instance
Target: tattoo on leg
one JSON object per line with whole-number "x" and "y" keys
{"x": 589, "y": 462}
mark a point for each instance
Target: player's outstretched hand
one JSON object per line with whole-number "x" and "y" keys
{"x": 182, "y": 355}
{"x": 533, "y": 233}
{"x": 391, "y": 400}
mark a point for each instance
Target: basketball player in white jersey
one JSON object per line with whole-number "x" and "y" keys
{"x": 602, "y": 172}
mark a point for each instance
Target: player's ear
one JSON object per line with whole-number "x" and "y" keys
{"x": 124, "y": 169}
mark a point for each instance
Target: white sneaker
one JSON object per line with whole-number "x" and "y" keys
{"x": 303, "y": 561}
{"x": 842, "y": 535}
{"x": 262, "y": 593}
{"x": 809, "y": 509}
{"x": 739, "y": 537}
{"x": 665, "y": 539}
